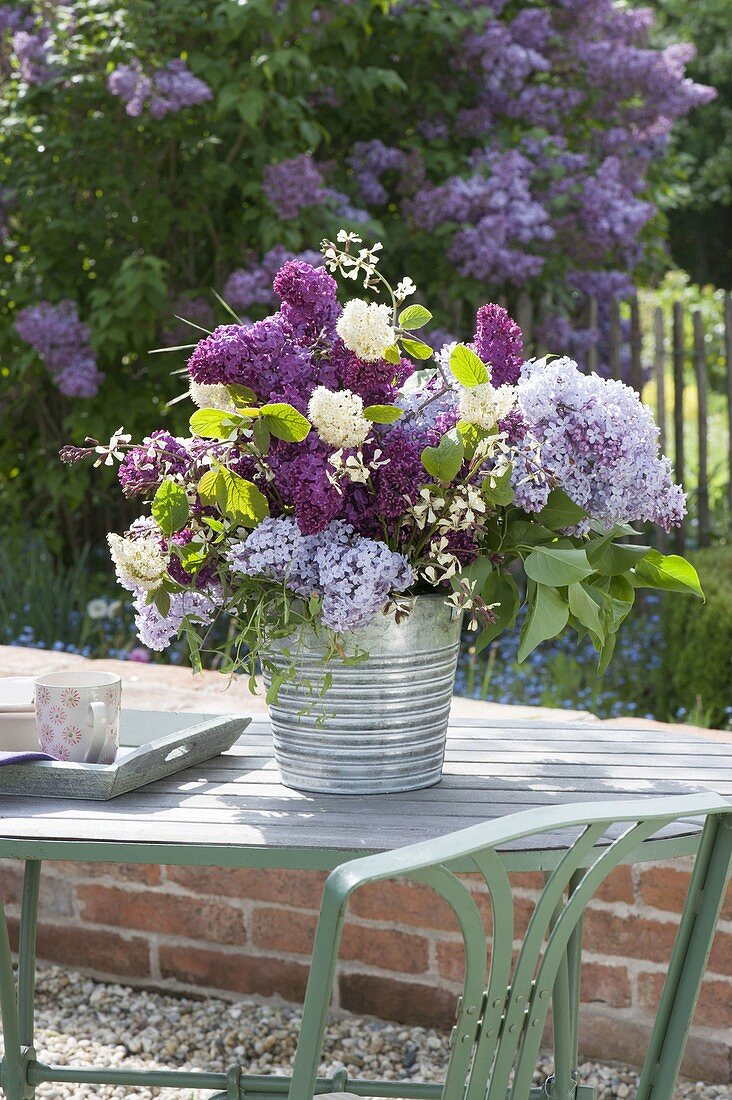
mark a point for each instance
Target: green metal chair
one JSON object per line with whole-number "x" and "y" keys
{"x": 504, "y": 1005}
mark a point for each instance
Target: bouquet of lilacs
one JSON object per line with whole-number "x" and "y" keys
{"x": 337, "y": 467}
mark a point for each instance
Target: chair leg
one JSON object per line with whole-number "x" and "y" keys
{"x": 688, "y": 961}
{"x": 13, "y": 1065}
{"x": 27, "y": 950}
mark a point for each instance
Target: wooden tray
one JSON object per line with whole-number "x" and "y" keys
{"x": 187, "y": 739}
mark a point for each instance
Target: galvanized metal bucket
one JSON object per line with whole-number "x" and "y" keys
{"x": 373, "y": 727}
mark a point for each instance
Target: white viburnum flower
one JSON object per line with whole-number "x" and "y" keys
{"x": 338, "y": 418}
{"x": 365, "y": 328}
{"x": 108, "y": 452}
{"x": 214, "y": 396}
{"x": 484, "y": 405}
{"x": 139, "y": 563}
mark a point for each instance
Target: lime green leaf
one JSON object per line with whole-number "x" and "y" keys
{"x": 560, "y": 511}
{"x": 192, "y": 557}
{"x": 383, "y": 414}
{"x": 285, "y": 422}
{"x": 214, "y": 423}
{"x": 500, "y": 493}
{"x": 170, "y": 507}
{"x": 468, "y": 368}
{"x": 235, "y": 497}
{"x": 556, "y": 567}
{"x": 500, "y": 589}
{"x": 417, "y": 349}
{"x": 443, "y": 461}
{"x": 262, "y": 436}
{"x": 611, "y": 558}
{"x": 414, "y": 317}
{"x": 671, "y": 573}
{"x": 471, "y": 436}
{"x": 241, "y": 395}
{"x": 606, "y": 653}
{"x": 392, "y": 355}
{"x": 548, "y": 615}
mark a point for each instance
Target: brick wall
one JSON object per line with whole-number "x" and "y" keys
{"x": 246, "y": 931}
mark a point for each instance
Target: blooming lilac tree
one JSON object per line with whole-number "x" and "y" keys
{"x": 153, "y": 152}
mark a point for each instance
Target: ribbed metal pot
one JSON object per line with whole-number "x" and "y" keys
{"x": 380, "y": 726}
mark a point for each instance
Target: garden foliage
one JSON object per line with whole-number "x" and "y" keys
{"x": 154, "y": 150}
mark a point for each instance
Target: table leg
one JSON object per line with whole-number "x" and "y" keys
{"x": 16, "y": 1006}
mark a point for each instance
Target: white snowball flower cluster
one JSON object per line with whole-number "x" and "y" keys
{"x": 484, "y": 405}
{"x": 338, "y": 417}
{"x": 139, "y": 563}
{"x": 365, "y": 328}
{"x": 213, "y": 396}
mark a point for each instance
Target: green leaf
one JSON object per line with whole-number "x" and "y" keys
{"x": 383, "y": 414}
{"x": 500, "y": 589}
{"x": 443, "y": 461}
{"x": 262, "y": 436}
{"x": 612, "y": 558}
{"x": 671, "y": 573}
{"x": 585, "y": 605}
{"x": 468, "y": 368}
{"x": 471, "y": 436}
{"x": 606, "y": 653}
{"x": 522, "y": 532}
{"x": 556, "y": 567}
{"x": 241, "y": 395}
{"x": 548, "y": 615}
{"x": 170, "y": 507}
{"x": 560, "y": 511}
{"x": 162, "y": 602}
{"x": 192, "y": 557}
{"x": 476, "y": 573}
{"x": 285, "y": 422}
{"x": 235, "y": 497}
{"x": 417, "y": 349}
{"x": 214, "y": 423}
{"x": 392, "y": 355}
{"x": 415, "y": 316}
{"x": 500, "y": 493}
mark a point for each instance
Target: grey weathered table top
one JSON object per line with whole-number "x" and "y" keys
{"x": 232, "y": 810}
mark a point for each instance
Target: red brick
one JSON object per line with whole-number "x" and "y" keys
{"x": 169, "y": 914}
{"x": 302, "y": 889}
{"x": 261, "y": 974}
{"x": 618, "y": 886}
{"x": 633, "y": 936}
{"x": 283, "y": 930}
{"x": 405, "y": 902}
{"x": 451, "y": 960}
{"x": 720, "y": 957}
{"x": 94, "y": 949}
{"x": 425, "y": 1005}
{"x": 386, "y": 948}
{"x": 608, "y": 985}
{"x": 714, "y": 1008}
{"x": 11, "y": 882}
{"x": 147, "y": 873}
{"x": 665, "y": 887}
{"x": 527, "y": 880}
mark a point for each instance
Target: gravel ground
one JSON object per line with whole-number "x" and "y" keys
{"x": 89, "y": 1023}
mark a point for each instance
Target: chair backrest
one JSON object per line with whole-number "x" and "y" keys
{"x": 503, "y": 1008}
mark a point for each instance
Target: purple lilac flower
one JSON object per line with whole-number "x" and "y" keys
{"x": 164, "y": 90}
{"x": 204, "y": 578}
{"x": 531, "y": 486}
{"x": 252, "y": 286}
{"x": 376, "y": 382}
{"x": 316, "y": 501}
{"x": 292, "y": 185}
{"x": 62, "y": 341}
{"x": 31, "y": 52}
{"x": 263, "y": 356}
{"x": 157, "y": 631}
{"x": 370, "y": 160}
{"x": 499, "y": 342}
{"x": 600, "y": 443}
{"x": 399, "y": 481}
{"x": 354, "y": 575}
{"x": 309, "y": 299}
{"x": 145, "y": 466}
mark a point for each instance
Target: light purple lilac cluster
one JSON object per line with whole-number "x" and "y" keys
{"x": 600, "y": 444}
{"x": 251, "y": 286}
{"x": 353, "y": 575}
{"x": 62, "y": 340}
{"x": 165, "y": 90}
{"x": 157, "y": 631}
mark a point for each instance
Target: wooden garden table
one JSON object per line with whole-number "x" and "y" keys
{"x": 233, "y": 812}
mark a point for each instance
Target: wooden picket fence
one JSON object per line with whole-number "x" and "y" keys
{"x": 664, "y": 350}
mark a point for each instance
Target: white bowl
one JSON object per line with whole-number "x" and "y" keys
{"x": 18, "y": 733}
{"x": 16, "y": 695}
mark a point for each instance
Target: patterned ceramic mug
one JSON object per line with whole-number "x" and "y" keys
{"x": 77, "y": 714}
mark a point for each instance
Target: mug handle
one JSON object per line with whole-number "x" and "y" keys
{"x": 97, "y": 714}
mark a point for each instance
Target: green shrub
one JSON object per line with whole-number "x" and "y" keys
{"x": 695, "y": 679}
